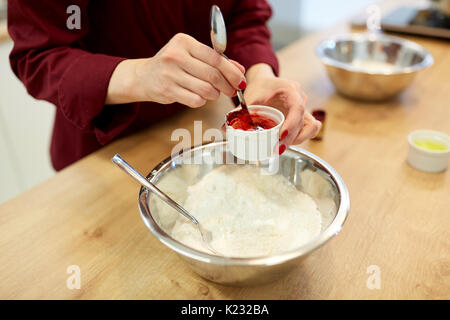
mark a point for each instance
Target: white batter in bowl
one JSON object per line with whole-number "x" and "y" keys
{"x": 249, "y": 214}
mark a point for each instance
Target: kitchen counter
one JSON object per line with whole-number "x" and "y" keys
{"x": 399, "y": 222}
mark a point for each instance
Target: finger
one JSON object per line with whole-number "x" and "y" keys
{"x": 205, "y": 72}
{"x": 294, "y": 117}
{"x": 198, "y": 86}
{"x": 292, "y": 126}
{"x": 240, "y": 66}
{"x": 309, "y": 130}
{"x": 187, "y": 97}
{"x": 231, "y": 72}
{"x": 280, "y": 148}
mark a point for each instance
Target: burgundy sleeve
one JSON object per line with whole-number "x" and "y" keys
{"x": 48, "y": 60}
{"x": 248, "y": 34}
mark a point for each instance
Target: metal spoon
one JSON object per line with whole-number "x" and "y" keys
{"x": 219, "y": 43}
{"x": 121, "y": 163}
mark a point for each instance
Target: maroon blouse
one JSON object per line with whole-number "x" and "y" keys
{"x": 72, "y": 68}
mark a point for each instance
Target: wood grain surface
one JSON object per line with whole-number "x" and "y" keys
{"x": 399, "y": 219}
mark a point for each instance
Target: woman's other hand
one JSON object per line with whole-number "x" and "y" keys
{"x": 264, "y": 88}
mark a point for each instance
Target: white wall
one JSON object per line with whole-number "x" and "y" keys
{"x": 25, "y": 129}
{"x": 324, "y": 13}
{"x": 295, "y": 18}
{"x": 285, "y": 25}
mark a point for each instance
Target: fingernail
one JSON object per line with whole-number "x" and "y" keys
{"x": 235, "y": 94}
{"x": 282, "y": 149}
{"x": 284, "y": 134}
{"x": 242, "y": 85}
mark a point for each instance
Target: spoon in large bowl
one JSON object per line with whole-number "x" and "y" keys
{"x": 122, "y": 164}
{"x": 219, "y": 43}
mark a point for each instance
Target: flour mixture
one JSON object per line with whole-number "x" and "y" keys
{"x": 249, "y": 214}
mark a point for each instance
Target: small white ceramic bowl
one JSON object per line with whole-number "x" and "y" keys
{"x": 255, "y": 145}
{"x": 424, "y": 159}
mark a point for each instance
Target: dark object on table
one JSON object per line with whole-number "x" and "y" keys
{"x": 320, "y": 115}
{"x": 429, "y": 22}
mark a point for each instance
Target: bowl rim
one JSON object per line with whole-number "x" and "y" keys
{"x": 326, "y": 235}
{"x": 320, "y": 52}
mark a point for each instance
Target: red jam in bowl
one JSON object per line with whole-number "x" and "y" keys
{"x": 240, "y": 120}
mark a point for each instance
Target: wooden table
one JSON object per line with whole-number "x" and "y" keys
{"x": 399, "y": 220}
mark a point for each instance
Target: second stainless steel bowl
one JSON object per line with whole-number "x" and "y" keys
{"x": 306, "y": 171}
{"x": 372, "y": 67}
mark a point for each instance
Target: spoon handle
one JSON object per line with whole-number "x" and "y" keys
{"x": 240, "y": 94}
{"x": 122, "y": 164}
{"x": 241, "y": 99}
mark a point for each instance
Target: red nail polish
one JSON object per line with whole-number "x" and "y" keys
{"x": 235, "y": 94}
{"x": 282, "y": 149}
{"x": 284, "y": 134}
{"x": 242, "y": 85}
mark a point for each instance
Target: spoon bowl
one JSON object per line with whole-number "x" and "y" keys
{"x": 219, "y": 43}
{"x": 218, "y": 30}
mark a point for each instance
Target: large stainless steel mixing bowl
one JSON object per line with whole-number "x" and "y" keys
{"x": 306, "y": 171}
{"x": 372, "y": 67}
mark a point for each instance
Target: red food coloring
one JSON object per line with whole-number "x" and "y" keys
{"x": 248, "y": 122}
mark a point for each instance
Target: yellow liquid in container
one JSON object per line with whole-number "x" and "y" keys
{"x": 431, "y": 145}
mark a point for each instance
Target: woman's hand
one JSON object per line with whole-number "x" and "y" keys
{"x": 184, "y": 71}
{"x": 264, "y": 88}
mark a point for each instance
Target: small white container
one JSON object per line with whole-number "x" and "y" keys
{"x": 428, "y": 160}
{"x": 257, "y": 145}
